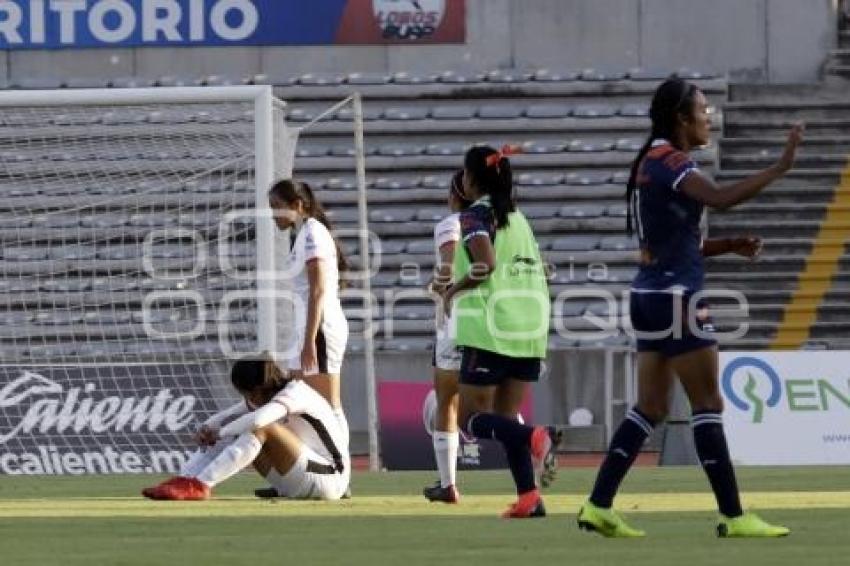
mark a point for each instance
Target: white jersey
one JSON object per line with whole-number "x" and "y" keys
{"x": 446, "y": 354}
{"x": 313, "y": 241}
{"x": 311, "y": 418}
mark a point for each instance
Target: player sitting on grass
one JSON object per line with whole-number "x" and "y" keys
{"x": 283, "y": 427}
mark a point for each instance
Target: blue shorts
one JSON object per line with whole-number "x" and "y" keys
{"x": 482, "y": 367}
{"x": 654, "y": 312}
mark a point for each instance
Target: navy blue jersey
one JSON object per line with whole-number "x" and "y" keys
{"x": 478, "y": 220}
{"x": 668, "y": 222}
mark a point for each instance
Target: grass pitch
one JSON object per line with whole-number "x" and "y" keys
{"x": 102, "y": 521}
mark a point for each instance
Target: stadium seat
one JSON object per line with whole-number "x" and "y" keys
{"x": 641, "y": 74}
{"x": 405, "y": 113}
{"x": 413, "y": 78}
{"x": 539, "y": 179}
{"x": 508, "y": 76}
{"x": 547, "y": 111}
{"x": 394, "y": 183}
{"x": 446, "y": 149}
{"x": 581, "y": 211}
{"x": 618, "y": 243}
{"x": 127, "y": 82}
{"x": 543, "y": 147}
{"x": 421, "y": 247}
{"x": 634, "y": 111}
{"x": 321, "y": 79}
{"x": 306, "y": 150}
{"x": 370, "y": 114}
{"x": 575, "y": 244}
{"x": 628, "y": 145}
{"x": 598, "y": 75}
{"x": 300, "y": 115}
{"x": 25, "y": 254}
{"x": 460, "y": 77}
{"x": 453, "y": 112}
{"x": 588, "y": 178}
{"x": 500, "y": 111}
{"x": 592, "y": 146}
{"x": 594, "y": 111}
{"x": 368, "y": 79}
{"x": 616, "y": 210}
{"x": 554, "y": 75}
{"x": 74, "y": 253}
{"x": 400, "y": 150}
{"x": 392, "y": 215}
{"x": 539, "y": 211}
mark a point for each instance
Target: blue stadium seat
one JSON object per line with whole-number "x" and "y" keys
{"x": 72, "y": 253}
{"x": 395, "y": 183}
{"x": 420, "y": 247}
{"x": 547, "y": 111}
{"x": 616, "y": 211}
{"x": 309, "y": 150}
{"x": 539, "y": 211}
{"x": 300, "y": 115}
{"x": 641, "y": 74}
{"x": 629, "y": 145}
{"x": 370, "y": 113}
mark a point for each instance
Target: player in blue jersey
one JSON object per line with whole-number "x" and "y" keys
{"x": 666, "y": 196}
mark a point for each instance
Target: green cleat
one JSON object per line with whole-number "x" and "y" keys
{"x": 749, "y": 525}
{"x": 606, "y": 522}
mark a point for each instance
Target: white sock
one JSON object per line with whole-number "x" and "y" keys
{"x": 235, "y": 457}
{"x": 200, "y": 458}
{"x": 445, "y": 452}
{"x": 343, "y": 422}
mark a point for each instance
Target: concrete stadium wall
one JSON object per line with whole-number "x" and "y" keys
{"x": 777, "y": 41}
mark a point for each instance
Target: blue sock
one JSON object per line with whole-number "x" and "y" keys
{"x": 710, "y": 441}
{"x": 625, "y": 446}
{"x": 515, "y": 438}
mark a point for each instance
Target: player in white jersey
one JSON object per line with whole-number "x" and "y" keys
{"x": 447, "y": 356}
{"x": 311, "y": 271}
{"x": 282, "y": 427}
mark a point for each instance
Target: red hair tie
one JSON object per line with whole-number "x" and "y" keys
{"x": 494, "y": 159}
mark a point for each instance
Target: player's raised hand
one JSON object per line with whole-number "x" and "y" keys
{"x": 747, "y": 247}
{"x": 206, "y": 436}
{"x": 795, "y": 137}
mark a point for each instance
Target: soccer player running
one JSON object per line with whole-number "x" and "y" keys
{"x": 667, "y": 194}
{"x": 313, "y": 266}
{"x": 282, "y": 427}
{"x": 447, "y": 355}
{"x": 500, "y": 301}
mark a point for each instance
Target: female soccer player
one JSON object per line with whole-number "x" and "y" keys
{"x": 501, "y": 306}
{"x": 314, "y": 264}
{"x": 283, "y": 427}
{"x": 446, "y": 354}
{"x": 667, "y": 193}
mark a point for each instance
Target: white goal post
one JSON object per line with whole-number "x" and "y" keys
{"x": 138, "y": 254}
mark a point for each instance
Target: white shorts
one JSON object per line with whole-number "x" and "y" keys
{"x": 311, "y": 477}
{"x": 330, "y": 351}
{"x": 447, "y": 355}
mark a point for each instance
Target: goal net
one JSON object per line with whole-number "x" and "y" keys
{"x": 131, "y": 268}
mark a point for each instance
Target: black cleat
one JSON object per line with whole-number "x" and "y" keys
{"x": 438, "y": 493}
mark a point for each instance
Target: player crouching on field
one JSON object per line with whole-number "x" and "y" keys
{"x": 283, "y": 427}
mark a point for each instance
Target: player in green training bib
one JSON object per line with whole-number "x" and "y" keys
{"x": 500, "y": 304}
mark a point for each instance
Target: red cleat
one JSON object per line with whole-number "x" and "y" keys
{"x": 178, "y": 489}
{"x": 528, "y": 506}
{"x": 543, "y": 443}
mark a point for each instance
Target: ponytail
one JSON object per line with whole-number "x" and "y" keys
{"x": 491, "y": 172}
{"x": 673, "y": 98}
{"x": 290, "y": 191}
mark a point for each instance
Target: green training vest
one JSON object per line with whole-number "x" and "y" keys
{"x": 509, "y": 312}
